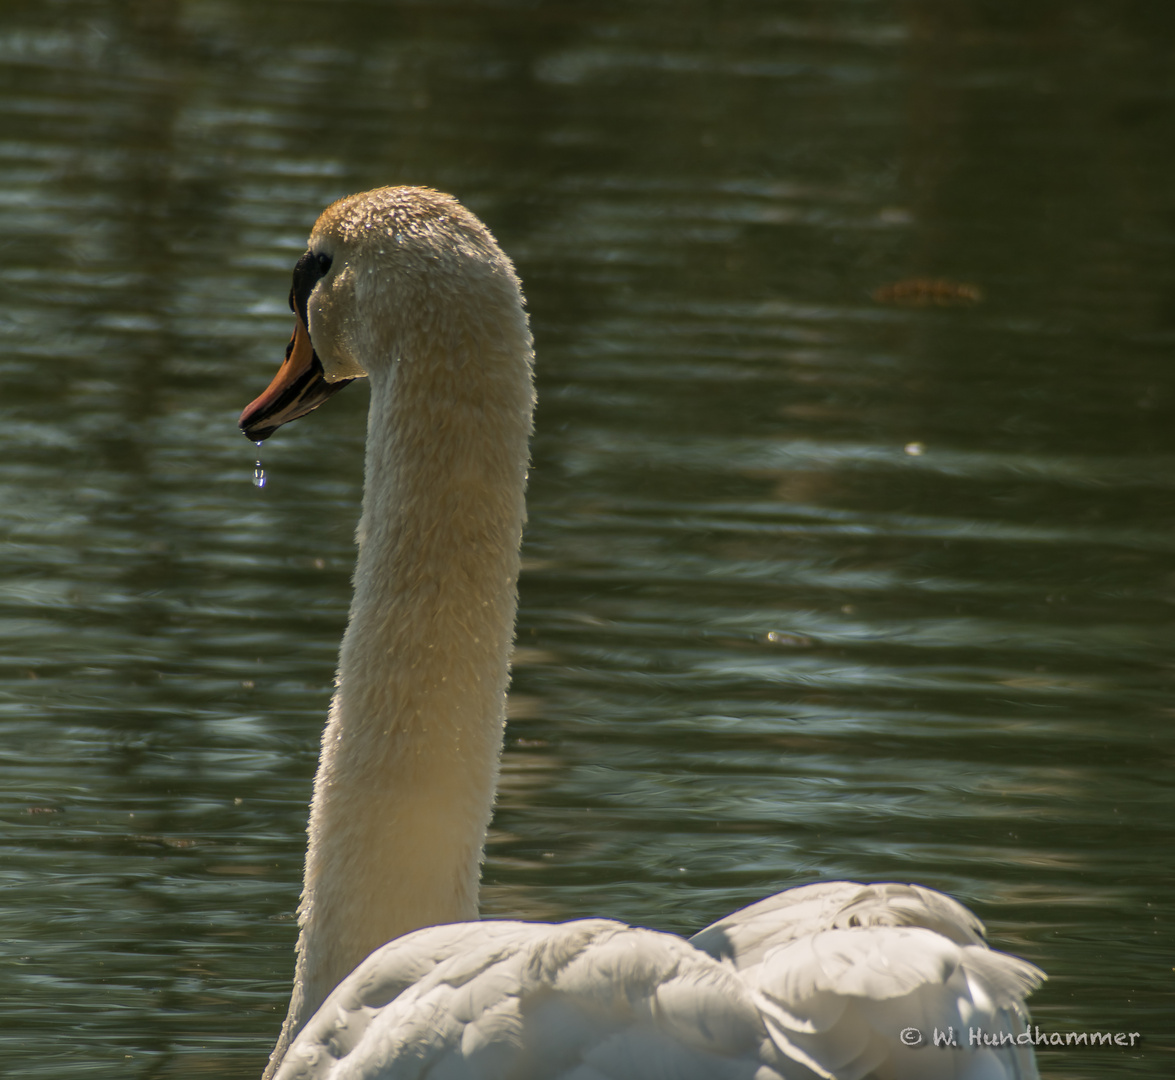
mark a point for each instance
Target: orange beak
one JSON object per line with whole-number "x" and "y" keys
{"x": 298, "y": 387}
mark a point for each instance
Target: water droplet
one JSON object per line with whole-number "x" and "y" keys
{"x": 258, "y": 475}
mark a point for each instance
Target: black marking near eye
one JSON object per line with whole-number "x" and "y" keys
{"x": 308, "y": 271}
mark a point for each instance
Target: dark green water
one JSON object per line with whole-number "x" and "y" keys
{"x": 816, "y": 586}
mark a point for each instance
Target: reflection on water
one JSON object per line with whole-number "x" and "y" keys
{"x": 761, "y": 641}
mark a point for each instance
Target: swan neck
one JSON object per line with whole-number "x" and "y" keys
{"x": 409, "y": 762}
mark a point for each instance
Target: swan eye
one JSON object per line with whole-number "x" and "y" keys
{"x": 308, "y": 271}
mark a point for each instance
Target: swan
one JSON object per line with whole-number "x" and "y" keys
{"x": 394, "y": 975}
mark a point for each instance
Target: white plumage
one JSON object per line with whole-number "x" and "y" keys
{"x": 835, "y": 980}
{"x": 818, "y": 981}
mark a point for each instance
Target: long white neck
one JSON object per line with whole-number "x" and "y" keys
{"x": 406, "y": 779}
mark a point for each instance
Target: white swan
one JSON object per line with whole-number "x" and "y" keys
{"x": 406, "y": 287}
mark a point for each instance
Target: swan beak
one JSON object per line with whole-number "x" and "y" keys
{"x": 298, "y": 387}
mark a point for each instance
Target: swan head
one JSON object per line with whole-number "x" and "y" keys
{"x": 382, "y": 271}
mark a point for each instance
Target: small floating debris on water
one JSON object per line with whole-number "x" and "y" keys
{"x": 915, "y": 449}
{"x": 789, "y": 639}
{"x": 929, "y": 292}
{"x": 258, "y": 475}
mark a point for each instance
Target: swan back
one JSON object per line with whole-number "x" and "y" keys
{"x": 816, "y": 982}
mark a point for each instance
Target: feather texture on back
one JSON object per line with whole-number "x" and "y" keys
{"x": 818, "y": 981}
